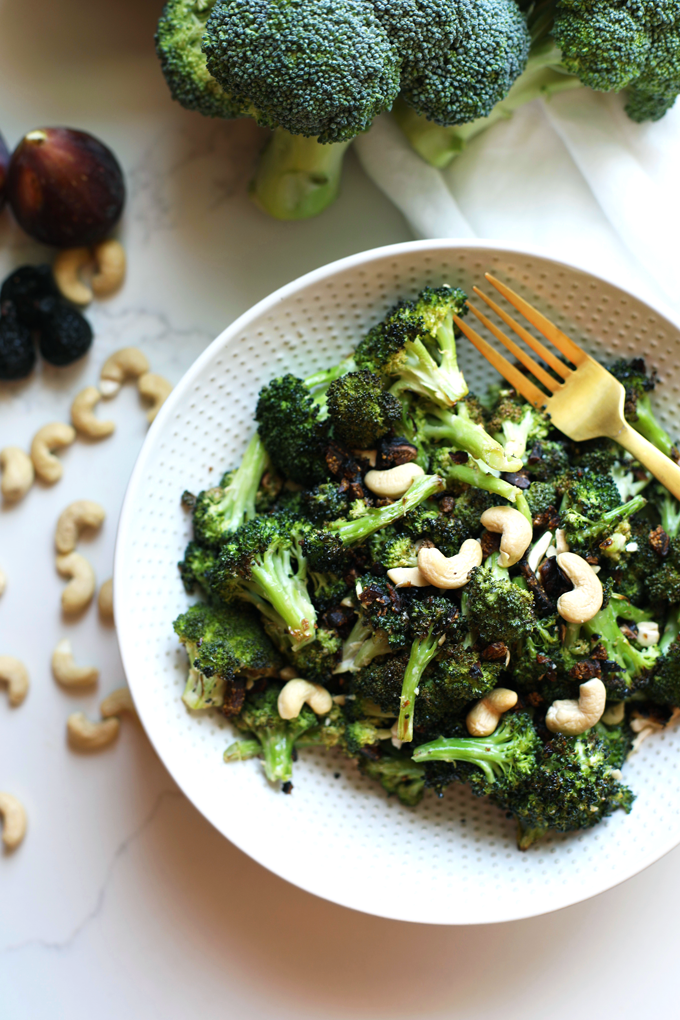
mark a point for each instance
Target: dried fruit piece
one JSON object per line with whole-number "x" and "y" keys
{"x": 64, "y": 334}
{"x": 4, "y": 164}
{"x": 24, "y": 287}
{"x": 65, "y": 187}
{"x": 17, "y": 350}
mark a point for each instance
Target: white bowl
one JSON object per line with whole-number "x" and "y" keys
{"x": 449, "y": 861}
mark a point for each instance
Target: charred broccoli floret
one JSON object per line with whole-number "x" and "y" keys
{"x": 220, "y": 511}
{"x": 430, "y": 620}
{"x": 496, "y": 608}
{"x": 360, "y": 410}
{"x": 277, "y": 737}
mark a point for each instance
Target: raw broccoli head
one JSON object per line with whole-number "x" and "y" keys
{"x": 460, "y": 59}
{"x": 223, "y": 644}
{"x": 260, "y": 717}
{"x": 178, "y": 44}
{"x": 498, "y": 609}
{"x": 360, "y": 410}
{"x": 319, "y": 68}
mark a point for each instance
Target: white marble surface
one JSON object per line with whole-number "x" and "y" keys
{"x": 122, "y": 900}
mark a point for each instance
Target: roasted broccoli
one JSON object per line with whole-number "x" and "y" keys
{"x": 360, "y": 410}
{"x": 429, "y": 622}
{"x": 638, "y": 384}
{"x": 497, "y": 609}
{"x": 220, "y": 511}
{"x": 260, "y": 718}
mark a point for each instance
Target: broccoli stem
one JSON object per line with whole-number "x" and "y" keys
{"x": 604, "y": 624}
{"x": 361, "y": 646}
{"x": 647, "y": 425}
{"x": 439, "y": 145}
{"x": 459, "y": 431}
{"x": 277, "y": 752}
{"x": 350, "y": 532}
{"x": 421, "y": 373}
{"x": 478, "y": 479}
{"x": 620, "y": 513}
{"x": 287, "y": 593}
{"x": 423, "y": 651}
{"x": 325, "y": 376}
{"x": 670, "y": 633}
{"x": 670, "y": 515}
{"x": 297, "y": 177}
{"x": 242, "y": 750}
{"x": 489, "y": 753}
{"x": 239, "y": 495}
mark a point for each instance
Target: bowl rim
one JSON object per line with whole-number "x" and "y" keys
{"x": 228, "y": 335}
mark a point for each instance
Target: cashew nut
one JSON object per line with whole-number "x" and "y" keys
{"x": 17, "y": 473}
{"x": 83, "y": 418}
{"x": 288, "y": 673}
{"x": 648, "y": 633}
{"x": 614, "y": 713}
{"x": 574, "y": 717}
{"x": 109, "y": 257}
{"x": 156, "y": 389}
{"x": 395, "y": 481}
{"x": 294, "y": 694}
{"x": 85, "y": 735}
{"x": 581, "y": 604}
{"x": 117, "y": 702}
{"x": 83, "y": 513}
{"x": 516, "y": 532}
{"x": 453, "y": 571}
{"x": 15, "y": 674}
{"x": 484, "y": 716}
{"x": 127, "y": 363}
{"x": 66, "y": 271}
{"x": 65, "y": 670}
{"x": 50, "y": 437}
{"x": 14, "y": 820}
{"x": 78, "y": 593}
{"x": 407, "y": 577}
{"x": 105, "y": 600}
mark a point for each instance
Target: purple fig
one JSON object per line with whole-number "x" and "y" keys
{"x": 4, "y": 164}
{"x": 65, "y": 187}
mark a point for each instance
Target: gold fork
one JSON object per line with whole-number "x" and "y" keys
{"x": 587, "y": 404}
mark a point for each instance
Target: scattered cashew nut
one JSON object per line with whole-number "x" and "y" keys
{"x": 65, "y": 670}
{"x": 581, "y": 604}
{"x": 83, "y": 513}
{"x": 66, "y": 271}
{"x": 17, "y": 473}
{"x": 116, "y": 703}
{"x": 485, "y": 715}
{"x": 105, "y": 600}
{"x": 127, "y": 363}
{"x": 109, "y": 257}
{"x": 293, "y": 696}
{"x": 407, "y": 577}
{"x": 574, "y": 717}
{"x": 83, "y": 417}
{"x": 15, "y": 674}
{"x": 54, "y": 436}
{"x": 156, "y": 389}
{"x": 395, "y": 481}
{"x": 14, "y": 820}
{"x": 648, "y": 633}
{"x": 85, "y": 735}
{"x": 516, "y": 532}
{"x": 453, "y": 571}
{"x": 78, "y": 593}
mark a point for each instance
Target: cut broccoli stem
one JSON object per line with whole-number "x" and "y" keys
{"x": 350, "y": 532}
{"x": 438, "y": 145}
{"x": 287, "y": 592}
{"x": 647, "y": 425}
{"x": 459, "y": 431}
{"x": 635, "y": 661}
{"x": 362, "y": 645}
{"x": 489, "y": 753}
{"x": 239, "y": 495}
{"x": 242, "y": 750}
{"x": 297, "y": 177}
{"x": 277, "y": 752}
{"x": 423, "y": 651}
{"x": 478, "y": 479}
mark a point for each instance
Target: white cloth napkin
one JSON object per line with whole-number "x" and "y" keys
{"x": 571, "y": 175}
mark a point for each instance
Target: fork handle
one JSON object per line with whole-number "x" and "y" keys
{"x": 661, "y": 466}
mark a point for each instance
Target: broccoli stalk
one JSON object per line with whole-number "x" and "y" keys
{"x": 353, "y": 531}
{"x": 505, "y": 757}
{"x": 471, "y": 474}
{"x": 670, "y": 514}
{"x": 610, "y": 534}
{"x": 297, "y": 177}
{"x": 430, "y": 619}
{"x": 456, "y": 428}
{"x": 276, "y": 736}
{"x": 636, "y": 663}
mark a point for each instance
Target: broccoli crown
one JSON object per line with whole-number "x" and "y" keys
{"x": 317, "y": 661}
{"x": 397, "y": 774}
{"x": 178, "y": 44}
{"x": 589, "y": 492}
{"x": 607, "y": 535}
{"x": 381, "y": 680}
{"x": 218, "y": 512}
{"x": 614, "y": 45}
{"x": 319, "y": 68}
{"x": 385, "y": 608}
{"x": 542, "y": 498}
{"x": 498, "y": 609}
{"x": 570, "y": 788}
{"x": 260, "y": 716}
{"x": 325, "y": 502}
{"x": 455, "y": 678}
{"x": 631, "y": 664}
{"x": 427, "y": 521}
{"x": 664, "y": 684}
{"x": 391, "y": 549}
{"x": 516, "y": 424}
{"x": 291, "y": 430}
{"x": 460, "y": 58}
{"x": 638, "y": 384}
{"x": 195, "y": 569}
{"x": 360, "y": 410}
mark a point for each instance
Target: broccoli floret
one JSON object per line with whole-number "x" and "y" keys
{"x": 178, "y": 44}
{"x": 542, "y": 663}
{"x": 325, "y": 502}
{"x": 219, "y": 512}
{"x": 663, "y": 686}
{"x": 429, "y": 424}
{"x": 381, "y": 681}
{"x": 517, "y": 425}
{"x": 225, "y": 647}
{"x": 669, "y": 510}
{"x": 638, "y": 384}
{"x": 546, "y": 460}
{"x": 618, "y": 741}
{"x": 360, "y": 410}
{"x": 430, "y": 620}
{"x": 397, "y": 774}
{"x": 390, "y": 549}
{"x": 663, "y": 586}
{"x": 496, "y": 608}
{"x": 427, "y": 521}
{"x": 455, "y": 678}
{"x": 257, "y": 564}
{"x": 414, "y": 347}
{"x": 195, "y": 569}
{"x": 291, "y": 430}
{"x": 635, "y": 663}
{"x": 444, "y": 44}
{"x": 542, "y": 498}
{"x": 317, "y": 661}
{"x": 607, "y": 534}
{"x": 349, "y": 532}
{"x": 260, "y": 717}
{"x": 457, "y": 476}
{"x": 589, "y": 492}
{"x": 362, "y": 645}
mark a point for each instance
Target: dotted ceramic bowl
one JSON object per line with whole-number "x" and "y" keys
{"x": 448, "y": 861}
